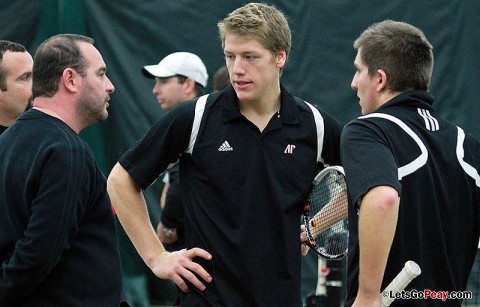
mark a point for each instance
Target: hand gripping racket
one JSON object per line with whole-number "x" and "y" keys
{"x": 326, "y": 214}
{"x": 406, "y": 275}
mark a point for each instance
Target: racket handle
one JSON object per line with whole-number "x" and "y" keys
{"x": 406, "y": 275}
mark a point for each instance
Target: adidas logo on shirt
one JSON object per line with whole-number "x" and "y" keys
{"x": 225, "y": 147}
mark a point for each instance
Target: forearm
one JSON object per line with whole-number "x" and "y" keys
{"x": 133, "y": 214}
{"x": 377, "y": 223}
{"x": 50, "y": 229}
{"x": 333, "y": 212}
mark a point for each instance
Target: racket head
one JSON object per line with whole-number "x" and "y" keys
{"x": 326, "y": 214}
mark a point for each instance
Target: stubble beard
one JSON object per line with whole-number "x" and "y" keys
{"x": 90, "y": 111}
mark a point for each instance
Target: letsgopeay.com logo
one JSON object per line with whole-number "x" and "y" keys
{"x": 428, "y": 294}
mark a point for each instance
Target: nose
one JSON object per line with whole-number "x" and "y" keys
{"x": 354, "y": 84}
{"x": 237, "y": 66}
{"x": 156, "y": 88}
{"x": 110, "y": 87}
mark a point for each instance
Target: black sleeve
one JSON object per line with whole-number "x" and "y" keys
{"x": 56, "y": 213}
{"x": 367, "y": 160}
{"x": 162, "y": 145}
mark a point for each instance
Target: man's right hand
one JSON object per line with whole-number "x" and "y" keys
{"x": 178, "y": 266}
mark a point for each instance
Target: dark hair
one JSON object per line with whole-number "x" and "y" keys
{"x": 221, "y": 79}
{"x": 53, "y": 56}
{"x": 4, "y": 47}
{"x": 199, "y": 89}
{"x": 399, "y": 49}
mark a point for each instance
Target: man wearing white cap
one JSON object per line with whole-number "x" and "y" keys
{"x": 179, "y": 76}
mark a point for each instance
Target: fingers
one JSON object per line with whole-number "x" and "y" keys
{"x": 196, "y": 268}
{"x": 188, "y": 274}
{"x": 178, "y": 280}
{"x": 303, "y": 238}
{"x": 198, "y": 252}
{"x": 304, "y": 249}
{"x": 180, "y": 268}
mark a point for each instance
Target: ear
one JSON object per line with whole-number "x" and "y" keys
{"x": 188, "y": 86}
{"x": 281, "y": 58}
{"x": 69, "y": 80}
{"x": 382, "y": 80}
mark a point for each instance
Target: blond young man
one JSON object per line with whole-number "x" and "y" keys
{"x": 247, "y": 157}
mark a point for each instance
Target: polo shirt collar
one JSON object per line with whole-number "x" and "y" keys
{"x": 415, "y": 98}
{"x": 288, "y": 107}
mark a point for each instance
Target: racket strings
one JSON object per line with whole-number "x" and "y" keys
{"x": 328, "y": 225}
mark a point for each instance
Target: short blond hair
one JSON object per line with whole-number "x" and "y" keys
{"x": 264, "y": 23}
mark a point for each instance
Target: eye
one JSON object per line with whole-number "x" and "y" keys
{"x": 26, "y": 77}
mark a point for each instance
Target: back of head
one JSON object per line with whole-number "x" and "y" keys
{"x": 221, "y": 79}
{"x": 53, "y": 56}
{"x": 399, "y": 49}
{"x": 264, "y": 23}
{"x": 4, "y": 47}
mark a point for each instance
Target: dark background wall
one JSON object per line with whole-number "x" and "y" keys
{"x": 131, "y": 34}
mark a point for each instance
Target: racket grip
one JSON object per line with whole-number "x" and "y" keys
{"x": 406, "y": 275}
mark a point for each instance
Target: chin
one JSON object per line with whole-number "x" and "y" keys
{"x": 104, "y": 116}
{"x": 243, "y": 96}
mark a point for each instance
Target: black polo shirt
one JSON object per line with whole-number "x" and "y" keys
{"x": 434, "y": 166}
{"x": 243, "y": 191}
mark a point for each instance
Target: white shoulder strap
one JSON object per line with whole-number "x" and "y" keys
{"x": 469, "y": 169}
{"x": 199, "y": 109}
{"x": 320, "y": 131}
{"x": 421, "y": 160}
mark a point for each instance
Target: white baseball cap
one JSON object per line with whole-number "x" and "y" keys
{"x": 179, "y": 63}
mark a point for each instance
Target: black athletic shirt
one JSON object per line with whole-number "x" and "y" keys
{"x": 243, "y": 191}
{"x": 434, "y": 166}
{"x": 58, "y": 244}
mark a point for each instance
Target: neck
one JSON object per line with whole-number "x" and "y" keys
{"x": 260, "y": 112}
{"x": 386, "y": 97}
{"x": 266, "y": 105}
{"x": 49, "y": 112}
{"x": 58, "y": 111}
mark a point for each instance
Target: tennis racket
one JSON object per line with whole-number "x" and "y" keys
{"x": 406, "y": 275}
{"x": 326, "y": 214}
